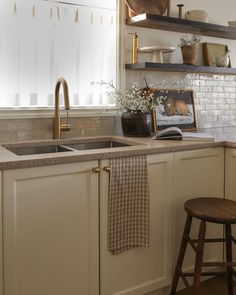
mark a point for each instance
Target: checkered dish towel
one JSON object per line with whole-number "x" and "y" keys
{"x": 128, "y": 207}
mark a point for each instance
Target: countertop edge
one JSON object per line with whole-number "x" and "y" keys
{"x": 23, "y": 162}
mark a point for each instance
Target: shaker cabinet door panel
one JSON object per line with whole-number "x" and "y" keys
{"x": 142, "y": 270}
{"x": 230, "y": 172}
{"x": 198, "y": 173}
{"x": 50, "y": 225}
{"x": 230, "y": 183}
{"x": 1, "y": 241}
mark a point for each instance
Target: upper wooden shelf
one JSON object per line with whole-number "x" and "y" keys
{"x": 150, "y": 66}
{"x": 181, "y": 25}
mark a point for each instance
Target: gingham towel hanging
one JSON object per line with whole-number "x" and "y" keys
{"x": 128, "y": 207}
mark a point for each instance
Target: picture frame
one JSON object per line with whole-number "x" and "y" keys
{"x": 213, "y": 52}
{"x": 176, "y": 109}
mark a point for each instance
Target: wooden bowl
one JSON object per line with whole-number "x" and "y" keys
{"x": 232, "y": 23}
{"x": 148, "y": 6}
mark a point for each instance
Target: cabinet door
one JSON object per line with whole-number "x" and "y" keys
{"x": 1, "y": 246}
{"x": 50, "y": 226}
{"x": 230, "y": 183}
{"x": 140, "y": 271}
{"x": 230, "y": 172}
{"x": 198, "y": 173}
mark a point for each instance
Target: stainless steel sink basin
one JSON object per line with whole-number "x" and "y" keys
{"x": 97, "y": 145}
{"x": 67, "y": 147}
{"x": 35, "y": 150}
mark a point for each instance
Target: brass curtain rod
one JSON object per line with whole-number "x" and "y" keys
{"x": 81, "y": 5}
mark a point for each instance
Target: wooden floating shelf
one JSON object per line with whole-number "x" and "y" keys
{"x": 151, "y": 66}
{"x": 181, "y": 25}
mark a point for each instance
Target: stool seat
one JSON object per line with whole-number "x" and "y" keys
{"x": 215, "y": 210}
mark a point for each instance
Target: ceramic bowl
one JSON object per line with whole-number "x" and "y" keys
{"x": 197, "y": 15}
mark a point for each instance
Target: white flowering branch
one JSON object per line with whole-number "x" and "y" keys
{"x": 135, "y": 100}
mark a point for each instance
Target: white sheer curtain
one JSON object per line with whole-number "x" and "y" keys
{"x": 77, "y": 42}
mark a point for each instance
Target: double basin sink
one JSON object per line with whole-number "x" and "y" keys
{"x": 37, "y": 149}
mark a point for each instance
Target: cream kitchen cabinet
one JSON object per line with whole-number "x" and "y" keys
{"x": 141, "y": 270}
{"x": 230, "y": 183}
{"x": 52, "y": 217}
{"x": 197, "y": 173}
{"x": 1, "y": 250}
{"x": 50, "y": 230}
{"x": 230, "y": 172}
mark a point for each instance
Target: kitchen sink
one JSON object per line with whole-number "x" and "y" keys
{"x": 97, "y": 145}
{"x": 35, "y": 150}
{"x": 80, "y": 145}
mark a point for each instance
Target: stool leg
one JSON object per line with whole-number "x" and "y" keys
{"x": 199, "y": 255}
{"x": 181, "y": 254}
{"x": 229, "y": 258}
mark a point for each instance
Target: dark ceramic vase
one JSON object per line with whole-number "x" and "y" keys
{"x": 136, "y": 124}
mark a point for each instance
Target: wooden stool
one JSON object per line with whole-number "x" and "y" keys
{"x": 213, "y": 210}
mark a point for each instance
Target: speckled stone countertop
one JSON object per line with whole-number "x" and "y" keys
{"x": 137, "y": 146}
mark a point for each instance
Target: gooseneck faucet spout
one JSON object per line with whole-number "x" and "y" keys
{"x": 57, "y": 125}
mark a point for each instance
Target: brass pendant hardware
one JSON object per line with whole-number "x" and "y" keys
{"x": 107, "y": 169}
{"x": 96, "y": 170}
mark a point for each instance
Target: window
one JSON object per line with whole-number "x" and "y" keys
{"x": 42, "y": 40}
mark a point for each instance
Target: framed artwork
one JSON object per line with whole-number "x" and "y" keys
{"x": 216, "y": 55}
{"x": 176, "y": 109}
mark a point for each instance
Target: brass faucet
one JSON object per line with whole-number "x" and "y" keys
{"x": 57, "y": 125}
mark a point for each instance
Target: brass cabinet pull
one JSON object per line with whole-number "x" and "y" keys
{"x": 96, "y": 170}
{"x": 107, "y": 169}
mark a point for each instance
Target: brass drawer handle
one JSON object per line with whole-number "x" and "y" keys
{"x": 96, "y": 170}
{"x": 107, "y": 169}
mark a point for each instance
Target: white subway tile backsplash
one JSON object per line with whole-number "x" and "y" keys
{"x": 215, "y": 95}
{"x": 200, "y": 95}
{"x": 230, "y": 78}
{"x": 218, "y": 77}
{"x": 218, "y": 89}
{"x": 223, "y": 106}
{"x": 229, "y": 89}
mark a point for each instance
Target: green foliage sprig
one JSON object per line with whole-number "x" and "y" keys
{"x": 189, "y": 40}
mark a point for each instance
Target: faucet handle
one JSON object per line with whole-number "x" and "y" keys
{"x": 65, "y": 126}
